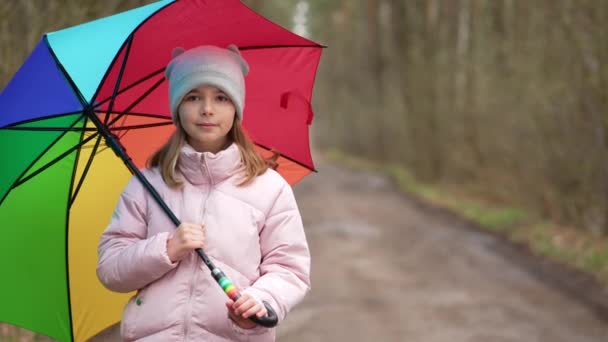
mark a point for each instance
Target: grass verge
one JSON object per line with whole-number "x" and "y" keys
{"x": 568, "y": 245}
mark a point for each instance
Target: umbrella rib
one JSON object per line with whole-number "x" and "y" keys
{"x": 67, "y": 76}
{"x": 136, "y": 102}
{"x": 86, "y": 170}
{"x": 123, "y": 114}
{"x": 16, "y": 124}
{"x": 132, "y": 85}
{"x": 49, "y": 129}
{"x": 143, "y": 115}
{"x": 144, "y": 95}
{"x": 119, "y": 78}
{"x": 38, "y": 158}
{"x": 49, "y": 164}
{"x": 123, "y": 128}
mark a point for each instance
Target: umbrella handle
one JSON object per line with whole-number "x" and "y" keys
{"x": 268, "y": 321}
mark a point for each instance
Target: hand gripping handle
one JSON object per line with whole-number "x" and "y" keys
{"x": 268, "y": 321}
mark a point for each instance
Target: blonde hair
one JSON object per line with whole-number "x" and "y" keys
{"x": 167, "y": 157}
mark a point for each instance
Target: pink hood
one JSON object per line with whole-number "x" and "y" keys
{"x": 254, "y": 234}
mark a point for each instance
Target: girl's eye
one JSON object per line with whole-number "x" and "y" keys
{"x": 191, "y": 98}
{"x": 223, "y": 98}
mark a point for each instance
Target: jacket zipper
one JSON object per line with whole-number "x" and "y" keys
{"x": 189, "y": 302}
{"x": 193, "y": 279}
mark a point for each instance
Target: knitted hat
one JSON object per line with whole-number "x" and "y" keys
{"x": 207, "y": 65}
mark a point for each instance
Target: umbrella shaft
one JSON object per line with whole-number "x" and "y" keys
{"x": 119, "y": 150}
{"x": 206, "y": 259}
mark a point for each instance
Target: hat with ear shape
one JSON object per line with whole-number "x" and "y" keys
{"x": 223, "y": 68}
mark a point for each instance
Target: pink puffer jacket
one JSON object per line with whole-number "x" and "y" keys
{"x": 253, "y": 233}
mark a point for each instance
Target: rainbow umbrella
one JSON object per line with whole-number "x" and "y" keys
{"x": 87, "y": 94}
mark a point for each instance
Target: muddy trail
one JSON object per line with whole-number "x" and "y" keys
{"x": 388, "y": 268}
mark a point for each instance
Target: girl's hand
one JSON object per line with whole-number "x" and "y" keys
{"x": 187, "y": 238}
{"x": 242, "y": 309}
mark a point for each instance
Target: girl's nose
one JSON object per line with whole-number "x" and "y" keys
{"x": 207, "y": 107}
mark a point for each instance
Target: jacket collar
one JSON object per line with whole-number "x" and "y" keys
{"x": 207, "y": 167}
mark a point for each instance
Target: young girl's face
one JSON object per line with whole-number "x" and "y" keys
{"x": 207, "y": 115}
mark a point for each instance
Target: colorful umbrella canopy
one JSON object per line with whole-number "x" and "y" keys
{"x": 59, "y": 181}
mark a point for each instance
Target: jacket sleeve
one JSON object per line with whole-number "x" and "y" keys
{"x": 285, "y": 266}
{"x": 128, "y": 259}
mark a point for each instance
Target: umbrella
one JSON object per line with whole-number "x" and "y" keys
{"x": 83, "y": 113}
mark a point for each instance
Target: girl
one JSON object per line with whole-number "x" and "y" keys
{"x": 233, "y": 205}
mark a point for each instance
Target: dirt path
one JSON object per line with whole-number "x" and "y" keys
{"x": 385, "y": 270}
